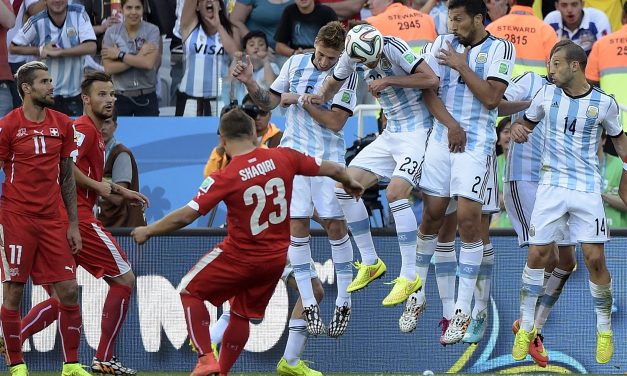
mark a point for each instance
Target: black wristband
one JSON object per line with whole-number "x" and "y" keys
{"x": 121, "y": 55}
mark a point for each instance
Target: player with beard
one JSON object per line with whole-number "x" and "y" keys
{"x": 36, "y": 144}
{"x": 101, "y": 256}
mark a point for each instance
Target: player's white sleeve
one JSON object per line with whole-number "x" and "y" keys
{"x": 535, "y": 112}
{"x": 399, "y": 53}
{"x": 611, "y": 121}
{"x": 346, "y": 97}
{"x": 517, "y": 89}
{"x": 429, "y": 55}
{"x": 344, "y": 67}
{"x": 282, "y": 83}
{"x": 27, "y": 35}
{"x": 502, "y": 62}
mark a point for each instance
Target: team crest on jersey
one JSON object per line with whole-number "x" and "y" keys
{"x": 79, "y": 138}
{"x": 593, "y": 112}
{"x": 71, "y": 32}
{"x": 346, "y": 97}
{"x": 503, "y": 68}
{"x": 54, "y": 132}
{"x": 385, "y": 63}
{"x": 21, "y": 132}
{"x": 409, "y": 57}
{"x": 206, "y": 184}
{"x": 482, "y": 58}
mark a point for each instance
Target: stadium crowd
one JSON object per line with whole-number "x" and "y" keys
{"x": 259, "y": 53}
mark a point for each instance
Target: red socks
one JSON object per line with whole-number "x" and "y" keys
{"x": 39, "y": 318}
{"x": 70, "y": 327}
{"x": 197, "y": 319}
{"x": 11, "y": 329}
{"x": 233, "y": 342}
{"x": 113, "y": 316}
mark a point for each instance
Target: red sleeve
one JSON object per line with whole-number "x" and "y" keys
{"x": 68, "y": 149}
{"x": 84, "y": 138}
{"x": 4, "y": 139}
{"x": 212, "y": 190}
{"x": 303, "y": 164}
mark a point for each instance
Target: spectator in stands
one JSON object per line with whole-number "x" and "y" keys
{"x": 7, "y": 21}
{"x": 120, "y": 168}
{"x": 392, "y": 17}
{"x": 299, "y": 25}
{"x": 501, "y": 218}
{"x": 611, "y": 169}
{"x": 438, "y": 9}
{"x": 346, "y": 10}
{"x": 607, "y": 62}
{"x": 62, "y": 36}
{"x": 131, "y": 54}
{"x": 496, "y": 10}
{"x": 584, "y": 26}
{"x": 209, "y": 39}
{"x": 268, "y": 135}
{"x": 532, "y": 38}
{"x": 262, "y": 15}
{"x": 613, "y": 9}
{"x": 265, "y": 70}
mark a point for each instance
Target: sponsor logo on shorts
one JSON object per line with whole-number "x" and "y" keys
{"x": 21, "y": 132}
{"x": 70, "y": 268}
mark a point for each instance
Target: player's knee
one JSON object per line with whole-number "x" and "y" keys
{"x": 397, "y": 192}
{"x": 318, "y": 290}
{"x": 595, "y": 261}
{"x": 67, "y": 292}
{"x": 336, "y": 229}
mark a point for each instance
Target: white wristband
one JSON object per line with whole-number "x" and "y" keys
{"x": 625, "y": 166}
{"x": 301, "y": 101}
{"x": 41, "y": 48}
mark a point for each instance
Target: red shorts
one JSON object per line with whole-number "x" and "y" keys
{"x": 35, "y": 247}
{"x": 101, "y": 255}
{"x": 219, "y": 276}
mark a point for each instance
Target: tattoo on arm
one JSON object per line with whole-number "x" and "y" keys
{"x": 262, "y": 98}
{"x": 68, "y": 188}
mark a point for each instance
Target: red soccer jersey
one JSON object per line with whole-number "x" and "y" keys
{"x": 31, "y": 153}
{"x": 90, "y": 160}
{"x": 257, "y": 190}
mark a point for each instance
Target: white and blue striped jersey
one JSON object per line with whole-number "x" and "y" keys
{"x": 523, "y": 160}
{"x": 572, "y": 132}
{"x": 302, "y": 133}
{"x": 205, "y": 64}
{"x": 66, "y": 71}
{"x": 490, "y": 59}
{"x": 403, "y": 107}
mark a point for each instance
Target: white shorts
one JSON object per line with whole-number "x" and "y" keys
{"x": 394, "y": 155}
{"x": 491, "y": 198}
{"x": 315, "y": 191}
{"x": 556, "y": 207}
{"x": 447, "y": 174}
{"x": 288, "y": 271}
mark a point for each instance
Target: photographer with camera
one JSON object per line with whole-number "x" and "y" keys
{"x": 268, "y": 134}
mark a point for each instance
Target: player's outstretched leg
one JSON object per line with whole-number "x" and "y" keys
{"x": 197, "y": 320}
{"x": 371, "y": 266}
{"x": 416, "y": 303}
{"x": 342, "y": 255}
{"x": 479, "y": 321}
{"x": 408, "y": 282}
{"x": 291, "y": 363}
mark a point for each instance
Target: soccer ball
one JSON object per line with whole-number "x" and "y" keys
{"x": 364, "y": 44}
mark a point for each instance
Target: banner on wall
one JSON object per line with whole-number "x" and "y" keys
{"x": 155, "y": 338}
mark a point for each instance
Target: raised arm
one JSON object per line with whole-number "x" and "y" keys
{"x": 265, "y": 99}
{"x": 338, "y": 173}
{"x": 171, "y": 222}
